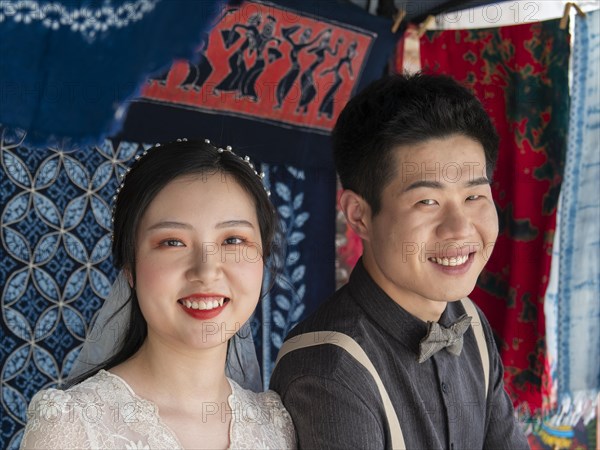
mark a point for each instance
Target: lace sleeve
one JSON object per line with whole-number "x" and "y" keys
{"x": 260, "y": 421}
{"x": 53, "y": 424}
{"x": 282, "y": 420}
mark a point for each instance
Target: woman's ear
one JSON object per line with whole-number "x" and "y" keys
{"x": 357, "y": 212}
{"x": 129, "y": 276}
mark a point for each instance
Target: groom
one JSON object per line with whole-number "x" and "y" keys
{"x": 404, "y": 359}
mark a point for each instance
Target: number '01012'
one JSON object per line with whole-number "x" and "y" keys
{"x": 517, "y": 12}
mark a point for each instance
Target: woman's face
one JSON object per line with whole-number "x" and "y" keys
{"x": 199, "y": 263}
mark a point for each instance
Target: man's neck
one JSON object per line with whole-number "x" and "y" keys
{"x": 422, "y": 308}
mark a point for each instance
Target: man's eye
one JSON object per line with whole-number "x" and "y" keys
{"x": 428, "y": 202}
{"x": 234, "y": 240}
{"x": 473, "y": 197}
{"x": 172, "y": 243}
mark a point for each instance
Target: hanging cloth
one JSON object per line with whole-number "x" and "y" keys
{"x": 520, "y": 73}
{"x": 271, "y": 77}
{"x": 578, "y": 299}
{"x": 67, "y": 67}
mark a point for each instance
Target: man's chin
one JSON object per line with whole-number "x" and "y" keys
{"x": 453, "y": 296}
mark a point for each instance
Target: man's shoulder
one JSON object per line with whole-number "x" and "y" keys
{"x": 338, "y": 313}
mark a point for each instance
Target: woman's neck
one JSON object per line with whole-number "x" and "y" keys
{"x": 169, "y": 375}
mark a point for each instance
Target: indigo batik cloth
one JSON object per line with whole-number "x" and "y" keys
{"x": 56, "y": 269}
{"x": 67, "y": 66}
{"x": 573, "y": 297}
{"x": 577, "y": 300}
{"x": 520, "y": 73}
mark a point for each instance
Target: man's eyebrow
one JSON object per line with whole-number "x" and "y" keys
{"x": 437, "y": 185}
{"x": 423, "y": 184}
{"x": 478, "y": 182}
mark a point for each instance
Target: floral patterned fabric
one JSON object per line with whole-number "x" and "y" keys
{"x": 520, "y": 73}
{"x": 56, "y": 271}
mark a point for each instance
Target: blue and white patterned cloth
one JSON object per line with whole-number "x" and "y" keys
{"x": 66, "y": 66}
{"x": 56, "y": 268}
{"x": 573, "y": 297}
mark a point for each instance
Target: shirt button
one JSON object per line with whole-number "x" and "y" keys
{"x": 445, "y": 388}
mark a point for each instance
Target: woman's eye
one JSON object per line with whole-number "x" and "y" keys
{"x": 234, "y": 241}
{"x": 428, "y": 202}
{"x": 172, "y": 243}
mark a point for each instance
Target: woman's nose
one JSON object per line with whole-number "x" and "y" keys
{"x": 205, "y": 263}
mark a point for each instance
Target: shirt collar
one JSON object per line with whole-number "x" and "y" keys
{"x": 391, "y": 317}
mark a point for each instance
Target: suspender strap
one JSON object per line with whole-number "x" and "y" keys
{"x": 352, "y": 347}
{"x": 480, "y": 338}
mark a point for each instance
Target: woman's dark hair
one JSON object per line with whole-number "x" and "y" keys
{"x": 147, "y": 177}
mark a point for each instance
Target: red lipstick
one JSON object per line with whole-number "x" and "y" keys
{"x": 201, "y": 301}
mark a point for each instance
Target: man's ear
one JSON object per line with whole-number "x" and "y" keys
{"x": 357, "y": 212}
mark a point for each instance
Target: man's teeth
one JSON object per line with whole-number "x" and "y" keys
{"x": 458, "y": 261}
{"x": 203, "y": 304}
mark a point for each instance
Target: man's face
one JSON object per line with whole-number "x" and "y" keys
{"x": 436, "y": 227}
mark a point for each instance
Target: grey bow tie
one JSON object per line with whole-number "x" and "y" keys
{"x": 439, "y": 337}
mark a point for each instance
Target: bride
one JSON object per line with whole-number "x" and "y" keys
{"x": 193, "y": 226}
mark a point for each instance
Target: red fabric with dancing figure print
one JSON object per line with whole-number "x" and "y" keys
{"x": 270, "y": 63}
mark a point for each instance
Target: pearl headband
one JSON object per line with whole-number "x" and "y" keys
{"x": 229, "y": 149}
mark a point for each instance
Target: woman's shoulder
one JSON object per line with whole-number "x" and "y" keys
{"x": 56, "y": 405}
{"x": 263, "y": 401}
{"x": 49, "y": 403}
{"x": 261, "y": 418}
{"x": 100, "y": 412}
{"x": 96, "y": 387}
{"x": 60, "y": 398}
{"x": 54, "y": 420}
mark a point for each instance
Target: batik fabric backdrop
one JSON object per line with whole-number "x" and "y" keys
{"x": 578, "y": 368}
{"x": 520, "y": 73}
{"x": 271, "y": 77}
{"x": 270, "y": 81}
{"x": 573, "y": 296}
{"x": 67, "y": 66}
{"x": 56, "y": 266}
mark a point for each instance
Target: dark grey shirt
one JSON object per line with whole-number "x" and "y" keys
{"x": 440, "y": 403}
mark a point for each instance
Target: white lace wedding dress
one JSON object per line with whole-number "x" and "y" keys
{"x": 103, "y": 412}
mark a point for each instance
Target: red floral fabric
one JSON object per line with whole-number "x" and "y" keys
{"x": 520, "y": 73}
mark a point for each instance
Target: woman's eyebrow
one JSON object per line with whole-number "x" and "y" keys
{"x": 235, "y": 223}
{"x": 169, "y": 225}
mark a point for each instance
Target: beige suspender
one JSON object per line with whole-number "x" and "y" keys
{"x": 480, "y": 338}
{"x": 352, "y": 347}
